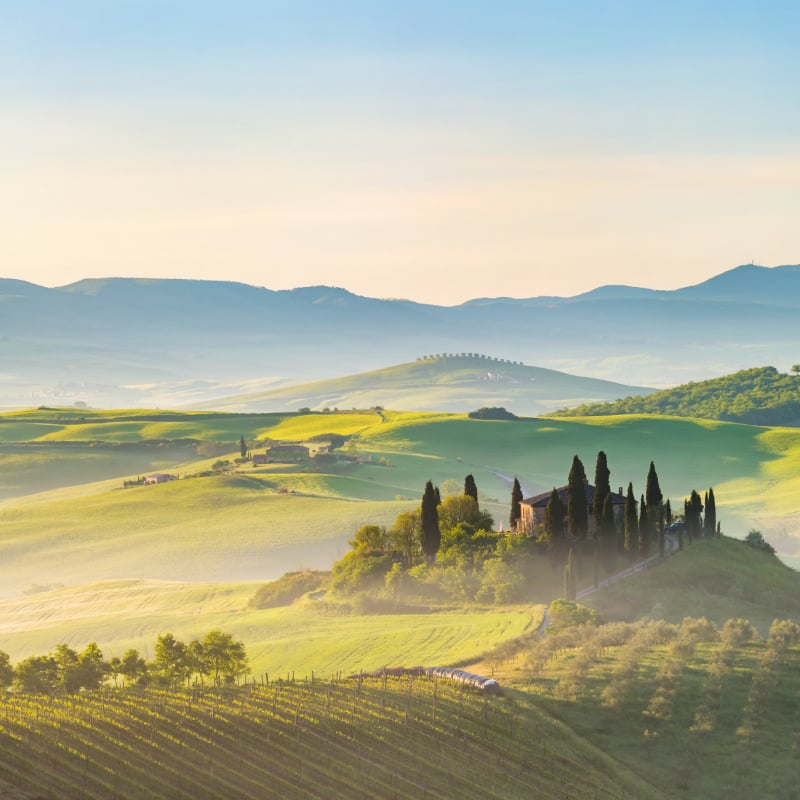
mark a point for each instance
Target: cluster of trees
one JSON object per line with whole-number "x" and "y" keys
{"x": 595, "y": 527}
{"x": 492, "y": 412}
{"x": 759, "y": 396}
{"x": 217, "y": 656}
{"x": 480, "y": 356}
{"x": 448, "y": 546}
{"x": 446, "y": 549}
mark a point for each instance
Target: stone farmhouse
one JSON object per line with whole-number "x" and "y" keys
{"x": 532, "y": 509}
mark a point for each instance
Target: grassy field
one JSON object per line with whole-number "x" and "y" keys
{"x": 308, "y": 636}
{"x": 644, "y": 709}
{"x": 240, "y": 526}
{"x": 715, "y": 578}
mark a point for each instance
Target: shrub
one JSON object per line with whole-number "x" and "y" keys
{"x": 756, "y": 539}
{"x": 288, "y": 588}
{"x": 566, "y": 613}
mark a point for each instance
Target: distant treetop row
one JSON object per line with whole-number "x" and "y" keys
{"x": 478, "y": 356}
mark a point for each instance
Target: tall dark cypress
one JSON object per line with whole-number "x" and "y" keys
{"x": 653, "y": 491}
{"x": 693, "y": 507}
{"x": 711, "y": 514}
{"x": 602, "y": 489}
{"x": 577, "y": 509}
{"x": 644, "y": 529}
{"x": 243, "y": 447}
{"x": 429, "y": 518}
{"x": 631, "y": 523}
{"x": 470, "y": 488}
{"x": 516, "y": 509}
{"x": 653, "y": 496}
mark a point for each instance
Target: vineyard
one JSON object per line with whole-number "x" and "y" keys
{"x": 386, "y": 737}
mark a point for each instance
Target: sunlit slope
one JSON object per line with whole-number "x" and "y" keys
{"x": 304, "y": 637}
{"x": 217, "y": 528}
{"x": 446, "y": 383}
{"x": 144, "y": 425}
{"x": 687, "y": 453}
{"x": 402, "y": 738}
{"x": 719, "y": 579}
{"x": 47, "y": 448}
{"x": 241, "y": 525}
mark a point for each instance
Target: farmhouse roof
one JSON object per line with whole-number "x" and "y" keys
{"x": 541, "y": 500}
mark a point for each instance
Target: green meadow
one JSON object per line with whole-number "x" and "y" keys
{"x": 623, "y": 710}
{"x": 309, "y": 636}
{"x": 231, "y": 529}
{"x": 248, "y": 523}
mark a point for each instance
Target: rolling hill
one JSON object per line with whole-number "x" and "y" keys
{"x": 760, "y": 396}
{"x": 646, "y": 709}
{"x": 458, "y": 382}
{"x": 239, "y": 522}
{"x": 123, "y": 342}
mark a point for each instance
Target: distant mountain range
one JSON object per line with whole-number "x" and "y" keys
{"x": 122, "y": 341}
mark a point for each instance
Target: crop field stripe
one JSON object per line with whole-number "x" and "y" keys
{"x": 374, "y": 737}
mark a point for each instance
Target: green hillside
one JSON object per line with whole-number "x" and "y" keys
{"x": 246, "y": 523}
{"x": 402, "y": 738}
{"x": 760, "y": 396}
{"x": 308, "y": 636}
{"x": 702, "y": 709}
{"x": 715, "y": 578}
{"x": 457, "y": 382}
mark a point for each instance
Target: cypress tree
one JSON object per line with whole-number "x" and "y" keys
{"x": 711, "y": 514}
{"x": 653, "y": 490}
{"x": 602, "y": 489}
{"x": 243, "y": 447}
{"x": 429, "y": 517}
{"x": 644, "y": 529}
{"x": 631, "y": 523}
{"x": 692, "y": 509}
{"x": 668, "y": 512}
{"x": 470, "y": 488}
{"x": 516, "y": 509}
{"x": 577, "y": 509}
{"x": 655, "y": 517}
{"x": 437, "y": 496}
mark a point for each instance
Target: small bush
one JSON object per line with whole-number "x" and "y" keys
{"x": 566, "y": 613}
{"x": 756, "y": 539}
{"x": 288, "y": 588}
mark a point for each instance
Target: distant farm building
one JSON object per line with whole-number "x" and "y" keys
{"x": 259, "y": 459}
{"x": 287, "y": 452}
{"x": 160, "y": 477}
{"x": 532, "y": 509}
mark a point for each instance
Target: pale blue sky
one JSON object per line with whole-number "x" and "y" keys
{"x": 431, "y": 150}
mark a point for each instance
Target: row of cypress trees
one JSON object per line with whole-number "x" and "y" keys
{"x": 637, "y": 533}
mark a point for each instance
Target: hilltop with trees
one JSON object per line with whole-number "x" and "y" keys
{"x": 759, "y": 396}
{"x": 448, "y": 550}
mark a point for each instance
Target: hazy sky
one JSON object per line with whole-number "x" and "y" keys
{"x": 430, "y": 149}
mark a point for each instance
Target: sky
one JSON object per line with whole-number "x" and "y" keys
{"x": 435, "y": 150}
